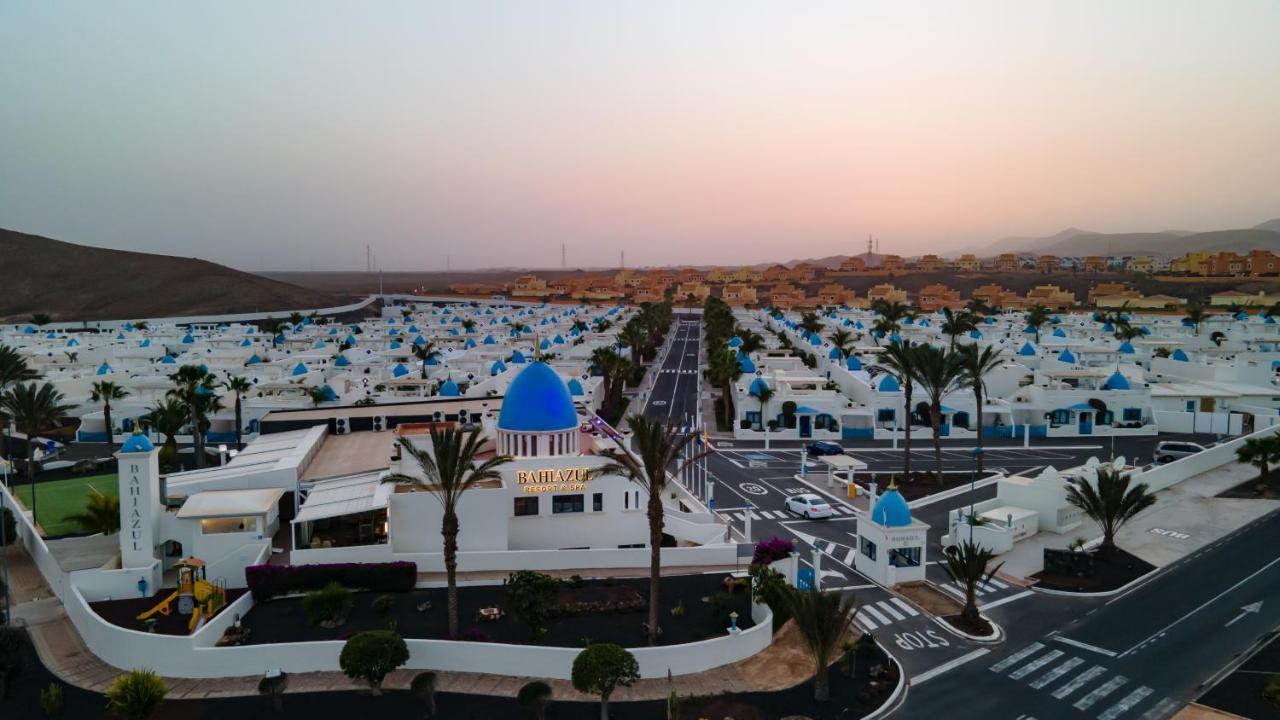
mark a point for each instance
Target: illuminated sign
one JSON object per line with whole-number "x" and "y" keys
{"x": 554, "y": 480}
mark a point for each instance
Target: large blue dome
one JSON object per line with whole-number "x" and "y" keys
{"x": 537, "y": 401}
{"x": 891, "y": 510}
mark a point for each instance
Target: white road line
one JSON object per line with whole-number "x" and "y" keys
{"x": 1017, "y": 657}
{"x": 1127, "y": 702}
{"x": 1161, "y": 710}
{"x": 888, "y": 608}
{"x": 906, "y": 608}
{"x": 1079, "y": 681}
{"x": 999, "y": 584}
{"x": 951, "y": 665}
{"x": 953, "y": 591}
{"x": 1002, "y": 601}
{"x": 876, "y": 614}
{"x": 1035, "y": 665}
{"x": 848, "y": 558}
{"x": 865, "y": 621}
{"x": 1100, "y": 692}
{"x": 1056, "y": 673}
{"x": 1084, "y": 646}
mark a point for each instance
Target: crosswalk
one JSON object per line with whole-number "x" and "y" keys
{"x": 741, "y": 515}
{"x": 1088, "y": 687}
{"x": 677, "y": 371}
{"x": 986, "y": 588}
{"x": 884, "y": 612}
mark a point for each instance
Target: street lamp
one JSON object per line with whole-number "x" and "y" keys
{"x": 973, "y": 481}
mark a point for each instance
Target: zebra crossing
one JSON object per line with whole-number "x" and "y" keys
{"x": 678, "y": 371}
{"x": 1087, "y": 687}
{"x": 882, "y": 613}
{"x": 741, "y": 515}
{"x": 990, "y": 587}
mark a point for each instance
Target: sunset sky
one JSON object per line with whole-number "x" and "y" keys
{"x": 287, "y": 135}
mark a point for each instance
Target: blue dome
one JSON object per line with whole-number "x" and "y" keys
{"x": 976, "y": 335}
{"x": 1057, "y": 332}
{"x": 537, "y": 401}
{"x": 1126, "y": 348}
{"x": 746, "y": 365}
{"x": 137, "y": 444}
{"x": 834, "y": 354}
{"x": 1180, "y": 356}
{"x": 449, "y": 389}
{"x": 889, "y": 384}
{"x": 1066, "y": 357}
{"x": 168, "y": 360}
{"x": 757, "y": 386}
{"x": 497, "y": 367}
{"x": 891, "y": 510}
{"x": 1117, "y": 381}
{"x": 853, "y": 363}
{"x": 399, "y": 370}
{"x": 1027, "y": 350}
{"x": 104, "y": 368}
{"x": 342, "y": 361}
{"x": 575, "y": 387}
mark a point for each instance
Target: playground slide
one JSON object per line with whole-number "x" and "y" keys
{"x": 162, "y": 607}
{"x": 197, "y": 622}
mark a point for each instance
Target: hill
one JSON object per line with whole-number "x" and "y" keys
{"x": 1165, "y": 243}
{"x": 77, "y": 282}
{"x": 1272, "y": 225}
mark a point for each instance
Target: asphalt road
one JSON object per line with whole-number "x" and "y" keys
{"x": 675, "y": 392}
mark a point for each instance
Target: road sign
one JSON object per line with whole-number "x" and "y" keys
{"x": 753, "y": 489}
{"x": 804, "y": 578}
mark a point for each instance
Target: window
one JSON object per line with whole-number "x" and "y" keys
{"x": 626, "y": 501}
{"x": 884, "y": 415}
{"x": 218, "y": 526}
{"x": 905, "y": 557}
{"x": 1132, "y": 414}
{"x": 597, "y": 502}
{"x": 526, "y": 506}
{"x": 868, "y": 548}
{"x": 567, "y": 504}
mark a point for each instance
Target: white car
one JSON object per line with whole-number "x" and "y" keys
{"x": 810, "y": 506}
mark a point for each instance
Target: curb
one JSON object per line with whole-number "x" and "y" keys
{"x": 994, "y": 639}
{"x": 899, "y": 694}
{"x": 1150, "y": 574}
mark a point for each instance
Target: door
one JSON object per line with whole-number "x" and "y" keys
{"x": 1086, "y": 423}
{"x": 806, "y": 426}
{"x": 1206, "y": 404}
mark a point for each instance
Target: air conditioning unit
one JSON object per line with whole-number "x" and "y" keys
{"x": 379, "y": 423}
{"x": 342, "y": 425}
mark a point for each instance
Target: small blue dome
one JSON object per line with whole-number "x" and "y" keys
{"x": 168, "y": 360}
{"x": 1066, "y": 357}
{"x": 1109, "y": 328}
{"x": 891, "y": 510}
{"x": 254, "y": 360}
{"x": 1180, "y": 356}
{"x": 575, "y": 387}
{"x": 976, "y": 335}
{"x": 137, "y": 444}
{"x": 853, "y": 363}
{"x": 834, "y": 354}
{"x": 497, "y": 368}
{"x": 342, "y": 361}
{"x": 299, "y": 369}
{"x": 746, "y": 365}
{"x": 889, "y": 384}
{"x": 399, "y": 370}
{"x": 245, "y": 343}
{"x": 537, "y": 401}
{"x": 1117, "y": 381}
{"x": 1126, "y": 348}
{"x": 757, "y": 386}
{"x": 518, "y": 358}
{"x": 1027, "y": 350}
{"x": 1057, "y": 332}
{"x": 104, "y": 368}
{"x": 449, "y": 389}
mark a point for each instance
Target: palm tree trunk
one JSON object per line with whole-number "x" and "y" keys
{"x": 977, "y": 396}
{"x": 449, "y": 528}
{"x": 111, "y": 440}
{"x": 906, "y": 442}
{"x": 935, "y": 419}
{"x": 655, "y": 557}
{"x": 604, "y": 707}
{"x": 239, "y": 425}
{"x": 970, "y": 611}
{"x": 822, "y": 683}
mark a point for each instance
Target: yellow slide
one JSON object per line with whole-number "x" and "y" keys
{"x": 195, "y": 620}
{"x": 163, "y": 607}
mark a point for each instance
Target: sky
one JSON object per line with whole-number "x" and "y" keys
{"x": 290, "y": 135}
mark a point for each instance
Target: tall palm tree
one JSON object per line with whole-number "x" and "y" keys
{"x": 977, "y": 308}
{"x": 13, "y": 369}
{"x": 752, "y": 342}
{"x": 658, "y": 449}
{"x": 842, "y": 340}
{"x": 317, "y": 394}
{"x": 273, "y": 327}
{"x": 975, "y": 364}
{"x": 238, "y": 386}
{"x": 764, "y": 394}
{"x": 34, "y": 408}
{"x": 167, "y": 418}
{"x": 104, "y": 391}
{"x": 425, "y": 352}
{"x": 634, "y": 336}
{"x": 101, "y": 514}
{"x": 811, "y": 323}
{"x": 1037, "y": 317}
{"x": 1261, "y": 452}
{"x": 450, "y": 467}
{"x": 821, "y": 618}
{"x": 723, "y": 371}
{"x": 613, "y": 369}
{"x": 899, "y": 360}
{"x": 468, "y": 325}
{"x": 955, "y": 324}
{"x": 966, "y": 563}
{"x": 192, "y": 384}
{"x": 1196, "y": 314}
{"x": 939, "y": 373}
{"x": 1111, "y": 502}
{"x": 141, "y": 325}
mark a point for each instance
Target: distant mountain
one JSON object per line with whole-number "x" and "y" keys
{"x": 77, "y": 282}
{"x": 1240, "y": 241}
{"x": 1030, "y": 244}
{"x": 1272, "y": 225}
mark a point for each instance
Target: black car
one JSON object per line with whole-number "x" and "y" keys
{"x": 824, "y": 447}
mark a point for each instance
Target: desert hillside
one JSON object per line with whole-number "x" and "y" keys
{"x": 77, "y": 282}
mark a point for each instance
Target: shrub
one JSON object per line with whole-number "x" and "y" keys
{"x": 602, "y": 668}
{"x": 384, "y": 604}
{"x": 529, "y": 596}
{"x": 13, "y": 645}
{"x": 274, "y": 687}
{"x": 533, "y": 698}
{"x": 772, "y": 550}
{"x": 329, "y": 605}
{"x": 51, "y": 699}
{"x": 678, "y": 610}
{"x": 744, "y": 424}
{"x": 136, "y": 695}
{"x": 1271, "y": 693}
{"x": 575, "y": 581}
{"x": 424, "y": 686}
{"x": 769, "y": 587}
{"x": 371, "y": 655}
{"x": 268, "y": 581}
{"x": 722, "y": 603}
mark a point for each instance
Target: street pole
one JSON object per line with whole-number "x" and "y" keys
{"x": 747, "y": 528}
{"x": 973, "y": 481}
{"x": 4, "y": 549}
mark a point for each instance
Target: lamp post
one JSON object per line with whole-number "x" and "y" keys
{"x": 973, "y": 481}
{"x": 4, "y": 550}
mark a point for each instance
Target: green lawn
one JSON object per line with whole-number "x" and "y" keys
{"x": 60, "y": 498}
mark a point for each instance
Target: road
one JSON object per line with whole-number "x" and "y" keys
{"x": 674, "y": 397}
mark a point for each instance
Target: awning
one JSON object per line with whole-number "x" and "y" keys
{"x": 230, "y": 503}
{"x": 345, "y": 496}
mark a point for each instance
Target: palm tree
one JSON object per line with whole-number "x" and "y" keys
{"x": 634, "y": 336}
{"x": 752, "y": 342}
{"x": 192, "y": 384}
{"x": 955, "y": 324}
{"x": 723, "y": 371}
{"x": 899, "y": 360}
{"x": 104, "y": 391}
{"x": 613, "y": 369}
{"x": 1262, "y": 452}
{"x": 167, "y": 418}
{"x": 13, "y": 369}
{"x": 976, "y": 364}
{"x": 966, "y": 563}
{"x": 939, "y": 373}
{"x": 426, "y": 352}
{"x": 977, "y": 308}
{"x": 449, "y": 469}
{"x": 1196, "y": 314}
{"x": 821, "y": 618}
{"x": 1111, "y": 503}
{"x": 658, "y": 449}
{"x": 296, "y": 318}
{"x": 41, "y": 319}
{"x": 273, "y": 327}
{"x": 764, "y": 393}
{"x": 841, "y": 339}
{"x": 141, "y": 325}
{"x": 101, "y": 514}
{"x": 238, "y": 386}
{"x": 34, "y": 408}
{"x": 1037, "y": 317}
{"x": 811, "y": 323}
{"x": 580, "y": 326}
{"x": 468, "y": 325}
{"x": 317, "y": 394}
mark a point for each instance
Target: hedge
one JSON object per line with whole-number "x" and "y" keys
{"x": 268, "y": 581}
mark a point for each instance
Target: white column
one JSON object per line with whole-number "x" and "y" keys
{"x": 817, "y": 568}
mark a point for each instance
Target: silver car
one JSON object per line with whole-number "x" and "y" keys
{"x": 1171, "y": 450}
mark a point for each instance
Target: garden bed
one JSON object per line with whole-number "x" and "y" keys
{"x": 605, "y": 611}
{"x": 124, "y": 613}
{"x": 1111, "y": 571}
{"x": 979, "y": 629}
{"x": 1255, "y": 489}
{"x": 921, "y": 484}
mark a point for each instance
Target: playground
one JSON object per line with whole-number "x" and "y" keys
{"x": 177, "y": 610}
{"x": 56, "y": 500}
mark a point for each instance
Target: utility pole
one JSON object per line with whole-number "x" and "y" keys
{"x": 562, "y": 265}
{"x": 368, "y": 258}
{"x": 622, "y": 259}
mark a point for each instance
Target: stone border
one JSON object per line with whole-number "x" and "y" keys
{"x": 897, "y": 697}
{"x": 996, "y": 637}
{"x": 1149, "y": 575}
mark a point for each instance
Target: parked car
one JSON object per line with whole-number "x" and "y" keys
{"x": 1168, "y": 451}
{"x": 809, "y": 506}
{"x": 824, "y": 447}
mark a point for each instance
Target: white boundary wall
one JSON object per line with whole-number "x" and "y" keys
{"x": 1164, "y": 476}
{"x": 482, "y": 561}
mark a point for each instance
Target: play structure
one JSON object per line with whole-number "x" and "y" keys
{"x": 196, "y": 596}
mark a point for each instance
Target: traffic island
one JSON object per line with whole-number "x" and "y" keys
{"x": 1090, "y": 572}
{"x": 946, "y": 611}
